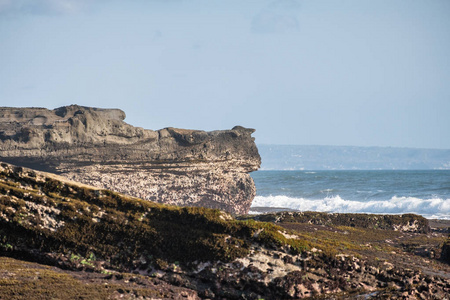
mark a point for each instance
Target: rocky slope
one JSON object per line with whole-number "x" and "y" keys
{"x": 107, "y": 245}
{"x": 95, "y": 146}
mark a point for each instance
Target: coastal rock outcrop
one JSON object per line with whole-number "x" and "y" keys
{"x": 117, "y": 246}
{"x": 96, "y": 147}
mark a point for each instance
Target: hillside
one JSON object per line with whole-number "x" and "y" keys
{"x": 296, "y": 157}
{"x": 61, "y": 239}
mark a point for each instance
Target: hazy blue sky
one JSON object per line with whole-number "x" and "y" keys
{"x": 363, "y": 73}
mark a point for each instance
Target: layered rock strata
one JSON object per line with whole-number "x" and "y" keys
{"x": 95, "y": 146}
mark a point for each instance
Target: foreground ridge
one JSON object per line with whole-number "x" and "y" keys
{"x": 95, "y": 146}
{"x": 102, "y": 244}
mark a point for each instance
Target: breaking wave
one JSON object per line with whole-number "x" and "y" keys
{"x": 433, "y": 208}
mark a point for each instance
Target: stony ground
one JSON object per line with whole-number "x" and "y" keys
{"x": 378, "y": 263}
{"x": 406, "y": 249}
{"x": 413, "y": 254}
{"x": 61, "y": 240}
{"x": 403, "y": 265}
{"x": 21, "y": 279}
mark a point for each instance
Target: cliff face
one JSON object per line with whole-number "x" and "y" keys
{"x": 95, "y": 146}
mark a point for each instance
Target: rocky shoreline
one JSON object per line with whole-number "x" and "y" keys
{"x": 436, "y": 225}
{"x": 61, "y": 239}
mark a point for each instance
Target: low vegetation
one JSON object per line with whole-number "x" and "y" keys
{"x": 46, "y": 215}
{"x": 123, "y": 246}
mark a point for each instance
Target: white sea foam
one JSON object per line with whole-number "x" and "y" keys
{"x": 429, "y": 208}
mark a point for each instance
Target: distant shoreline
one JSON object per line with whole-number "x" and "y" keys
{"x": 313, "y": 157}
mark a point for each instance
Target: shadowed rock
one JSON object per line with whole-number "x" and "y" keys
{"x": 95, "y": 146}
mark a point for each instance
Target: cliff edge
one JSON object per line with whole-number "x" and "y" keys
{"x": 96, "y": 147}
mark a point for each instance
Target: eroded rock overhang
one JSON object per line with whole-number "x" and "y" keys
{"x": 95, "y": 146}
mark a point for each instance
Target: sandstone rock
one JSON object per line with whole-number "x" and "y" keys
{"x": 95, "y": 146}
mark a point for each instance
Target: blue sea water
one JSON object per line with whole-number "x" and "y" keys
{"x": 426, "y": 192}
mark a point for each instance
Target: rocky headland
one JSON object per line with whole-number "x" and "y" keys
{"x": 130, "y": 213}
{"x": 96, "y": 147}
{"x": 66, "y": 240}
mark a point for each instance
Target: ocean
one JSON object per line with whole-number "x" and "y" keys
{"x": 426, "y": 192}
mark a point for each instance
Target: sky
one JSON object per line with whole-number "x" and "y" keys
{"x": 306, "y": 72}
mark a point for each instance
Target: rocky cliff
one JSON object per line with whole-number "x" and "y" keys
{"x": 95, "y": 146}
